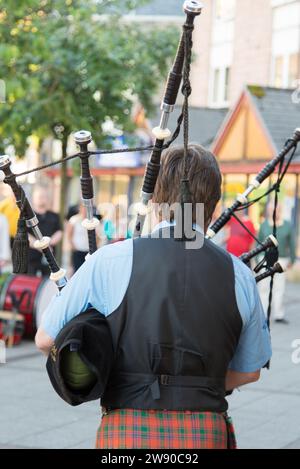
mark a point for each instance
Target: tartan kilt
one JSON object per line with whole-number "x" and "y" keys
{"x": 152, "y": 429}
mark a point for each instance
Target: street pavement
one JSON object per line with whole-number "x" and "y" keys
{"x": 266, "y": 414}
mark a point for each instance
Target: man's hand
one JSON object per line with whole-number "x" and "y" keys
{"x": 43, "y": 341}
{"x": 234, "y": 379}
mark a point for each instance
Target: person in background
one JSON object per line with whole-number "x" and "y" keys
{"x": 4, "y": 244}
{"x": 287, "y": 257}
{"x": 72, "y": 210}
{"x": 116, "y": 227}
{"x": 239, "y": 240}
{"x": 78, "y": 238}
{"x": 9, "y": 209}
{"x": 49, "y": 225}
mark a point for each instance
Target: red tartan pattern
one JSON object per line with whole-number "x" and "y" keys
{"x": 150, "y": 429}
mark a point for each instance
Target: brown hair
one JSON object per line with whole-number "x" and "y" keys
{"x": 204, "y": 176}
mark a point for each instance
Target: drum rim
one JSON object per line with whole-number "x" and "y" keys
{"x": 4, "y": 293}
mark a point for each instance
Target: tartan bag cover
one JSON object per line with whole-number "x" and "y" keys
{"x": 152, "y": 429}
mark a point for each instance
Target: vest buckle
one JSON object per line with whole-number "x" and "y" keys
{"x": 165, "y": 380}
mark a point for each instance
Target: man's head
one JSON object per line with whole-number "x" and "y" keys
{"x": 204, "y": 176}
{"x": 40, "y": 199}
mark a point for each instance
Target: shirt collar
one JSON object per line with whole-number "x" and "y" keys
{"x": 166, "y": 224}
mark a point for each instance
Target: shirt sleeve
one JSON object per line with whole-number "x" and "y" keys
{"x": 254, "y": 347}
{"x": 86, "y": 289}
{"x": 100, "y": 283}
{"x": 73, "y": 220}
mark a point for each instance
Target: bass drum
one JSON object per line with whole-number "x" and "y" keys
{"x": 34, "y": 294}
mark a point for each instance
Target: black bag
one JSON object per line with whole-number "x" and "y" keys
{"x": 81, "y": 358}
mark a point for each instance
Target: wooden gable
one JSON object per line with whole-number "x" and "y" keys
{"x": 243, "y": 135}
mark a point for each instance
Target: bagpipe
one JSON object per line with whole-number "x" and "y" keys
{"x": 180, "y": 71}
{"x": 70, "y": 365}
{"x": 268, "y": 246}
{"x": 242, "y": 202}
{"x": 28, "y": 221}
{"x": 69, "y": 360}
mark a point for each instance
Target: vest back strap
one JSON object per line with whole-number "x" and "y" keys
{"x": 155, "y": 381}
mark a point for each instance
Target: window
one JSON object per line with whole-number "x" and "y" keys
{"x": 276, "y": 3}
{"x": 220, "y": 86}
{"x": 221, "y": 54}
{"x": 285, "y": 43}
{"x": 216, "y": 83}
{"x": 286, "y": 70}
{"x": 224, "y": 9}
{"x": 226, "y": 84}
{"x": 293, "y": 69}
{"x": 112, "y": 187}
{"x": 278, "y": 72}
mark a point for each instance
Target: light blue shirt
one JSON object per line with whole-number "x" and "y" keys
{"x": 102, "y": 282}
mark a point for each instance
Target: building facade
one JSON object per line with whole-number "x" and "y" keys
{"x": 236, "y": 43}
{"x": 245, "y": 41}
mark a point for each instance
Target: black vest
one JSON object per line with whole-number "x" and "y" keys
{"x": 176, "y": 330}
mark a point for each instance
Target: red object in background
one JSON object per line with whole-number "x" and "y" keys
{"x": 39, "y": 293}
{"x": 239, "y": 240}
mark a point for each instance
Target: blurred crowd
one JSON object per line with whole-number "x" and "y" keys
{"x": 113, "y": 227}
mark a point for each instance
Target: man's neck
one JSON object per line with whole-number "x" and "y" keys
{"x": 159, "y": 224}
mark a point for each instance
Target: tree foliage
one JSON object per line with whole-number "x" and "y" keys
{"x": 66, "y": 66}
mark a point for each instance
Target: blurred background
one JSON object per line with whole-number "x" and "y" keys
{"x": 68, "y": 65}
{"x": 101, "y": 66}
